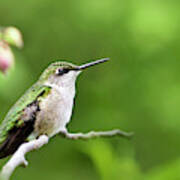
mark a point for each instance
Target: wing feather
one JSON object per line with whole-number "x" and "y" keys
{"x": 16, "y": 115}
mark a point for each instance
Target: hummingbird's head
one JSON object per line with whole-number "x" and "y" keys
{"x": 64, "y": 73}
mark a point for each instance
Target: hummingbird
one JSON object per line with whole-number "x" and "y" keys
{"x": 44, "y": 109}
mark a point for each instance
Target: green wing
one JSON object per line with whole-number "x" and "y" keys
{"x": 13, "y": 118}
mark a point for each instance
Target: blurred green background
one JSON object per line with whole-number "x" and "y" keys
{"x": 138, "y": 90}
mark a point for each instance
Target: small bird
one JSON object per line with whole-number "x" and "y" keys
{"x": 45, "y": 109}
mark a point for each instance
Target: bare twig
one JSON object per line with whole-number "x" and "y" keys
{"x": 19, "y": 156}
{"x": 93, "y": 134}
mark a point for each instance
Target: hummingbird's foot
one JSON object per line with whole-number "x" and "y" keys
{"x": 94, "y": 134}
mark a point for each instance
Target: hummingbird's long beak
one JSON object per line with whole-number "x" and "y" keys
{"x": 84, "y": 66}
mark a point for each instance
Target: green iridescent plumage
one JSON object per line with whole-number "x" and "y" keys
{"x": 13, "y": 117}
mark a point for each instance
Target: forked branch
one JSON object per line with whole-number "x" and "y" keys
{"x": 18, "y": 157}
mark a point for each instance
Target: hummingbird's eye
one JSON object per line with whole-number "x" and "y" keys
{"x": 62, "y": 71}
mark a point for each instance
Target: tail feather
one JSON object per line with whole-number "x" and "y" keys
{"x": 15, "y": 138}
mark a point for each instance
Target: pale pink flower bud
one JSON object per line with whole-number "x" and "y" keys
{"x": 6, "y": 57}
{"x": 13, "y": 37}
